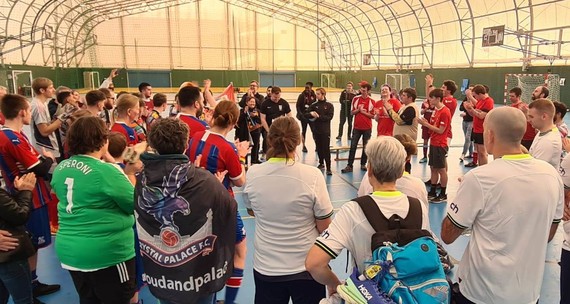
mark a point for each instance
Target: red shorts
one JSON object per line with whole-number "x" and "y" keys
{"x": 425, "y": 133}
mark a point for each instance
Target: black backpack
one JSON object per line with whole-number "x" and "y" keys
{"x": 395, "y": 229}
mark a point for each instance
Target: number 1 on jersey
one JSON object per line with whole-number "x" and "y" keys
{"x": 69, "y": 183}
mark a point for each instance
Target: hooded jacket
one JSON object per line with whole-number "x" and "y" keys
{"x": 186, "y": 223}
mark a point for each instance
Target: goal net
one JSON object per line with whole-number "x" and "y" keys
{"x": 398, "y": 82}
{"x": 529, "y": 82}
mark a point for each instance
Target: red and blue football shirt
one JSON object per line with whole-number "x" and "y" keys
{"x": 17, "y": 157}
{"x": 218, "y": 155}
{"x": 129, "y": 133}
{"x": 195, "y": 124}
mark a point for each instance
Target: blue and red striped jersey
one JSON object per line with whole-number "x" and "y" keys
{"x": 17, "y": 157}
{"x": 218, "y": 155}
{"x": 129, "y": 133}
{"x": 195, "y": 124}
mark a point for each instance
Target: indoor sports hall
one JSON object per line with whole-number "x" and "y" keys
{"x": 240, "y": 47}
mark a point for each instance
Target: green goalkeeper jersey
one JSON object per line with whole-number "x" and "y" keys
{"x": 96, "y": 204}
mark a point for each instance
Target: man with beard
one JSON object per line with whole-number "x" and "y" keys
{"x": 540, "y": 92}
{"x": 189, "y": 106}
{"x": 107, "y": 113}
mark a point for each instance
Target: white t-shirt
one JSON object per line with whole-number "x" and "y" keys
{"x": 548, "y": 147}
{"x": 40, "y": 115}
{"x": 407, "y": 184}
{"x": 351, "y": 230}
{"x": 510, "y": 204}
{"x": 286, "y": 200}
{"x": 565, "y": 174}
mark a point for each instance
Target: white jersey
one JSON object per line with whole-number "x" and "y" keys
{"x": 286, "y": 198}
{"x": 351, "y": 230}
{"x": 510, "y": 204}
{"x": 547, "y": 146}
{"x": 407, "y": 184}
{"x": 40, "y": 115}
{"x": 565, "y": 174}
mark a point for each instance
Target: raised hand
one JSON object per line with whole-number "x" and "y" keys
{"x": 207, "y": 84}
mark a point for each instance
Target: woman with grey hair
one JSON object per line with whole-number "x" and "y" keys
{"x": 350, "y": 229}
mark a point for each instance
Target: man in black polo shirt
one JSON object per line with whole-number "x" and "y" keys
{"x": 273, "y": 108}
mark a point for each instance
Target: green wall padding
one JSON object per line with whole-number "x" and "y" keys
{"x": 493, "y": 77}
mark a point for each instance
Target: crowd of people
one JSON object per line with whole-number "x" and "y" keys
{"x": 138, "y": 194}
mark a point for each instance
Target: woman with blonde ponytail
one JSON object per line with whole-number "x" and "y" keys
{"x": 292, "y": 207}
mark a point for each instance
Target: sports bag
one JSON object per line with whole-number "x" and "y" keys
{"x": 411, "y": 269}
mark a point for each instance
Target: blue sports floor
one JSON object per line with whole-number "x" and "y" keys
{"x": 342, "y": 187}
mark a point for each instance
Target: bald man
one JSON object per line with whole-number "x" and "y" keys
{"x": 511, "y": 221}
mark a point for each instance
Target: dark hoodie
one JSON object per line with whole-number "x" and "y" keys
{"x": 186, "y": 222}
{"x": 325, "y": 109}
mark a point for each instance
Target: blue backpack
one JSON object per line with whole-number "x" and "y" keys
{"x": 411, "y": 271}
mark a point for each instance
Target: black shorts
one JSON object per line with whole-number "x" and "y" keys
{"x": 477, "y": 138}
{"x": 114, "y": 285}
{"x": 300, "y": 288}
{"x": 437, "y": 157}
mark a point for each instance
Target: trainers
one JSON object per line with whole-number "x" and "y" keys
{"x": 428, "y": 183}
{"x": 432, "y": 196}
{"x": 462, "y": 157}
{"x": 362, "y": 292}
{"x": 339, "y": 137}
{"x": 469, "y": 156}
{"x": 321, "y": 166}
{"x": 423, "y": 160}
{"x": 471, "y": 165}
{"x": 41, "y": 289}
{"x": 347, "y": 169}
{"x": 363, "y": 167}
{"x": 305, "y": 149}
{"x": 440, "y": 198}
{"x": 329, "y": 172}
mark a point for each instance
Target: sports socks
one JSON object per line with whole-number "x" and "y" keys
{"x": 475, "y": 157}
{"x": 425, "y": 149}
{"x": 232, "y": 285}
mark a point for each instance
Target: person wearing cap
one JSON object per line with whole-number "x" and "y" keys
{"x": 363, "y": 112}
